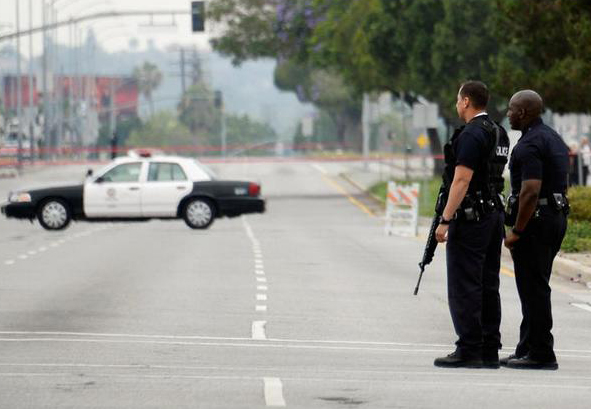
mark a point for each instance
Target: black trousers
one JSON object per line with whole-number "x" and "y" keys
{"x": 533, "y": 256}
{"x": 473, "y": 265}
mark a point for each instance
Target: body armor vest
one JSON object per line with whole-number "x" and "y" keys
{"x": 490, "y": 182}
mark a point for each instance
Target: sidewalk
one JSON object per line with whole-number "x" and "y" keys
{"x": 575, "y": 267}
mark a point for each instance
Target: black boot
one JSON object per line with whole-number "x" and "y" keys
{"x": 527, "y": 362}
{"x": 458, "y": 360}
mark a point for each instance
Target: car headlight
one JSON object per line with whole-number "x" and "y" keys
{"x": 19, "y": 197}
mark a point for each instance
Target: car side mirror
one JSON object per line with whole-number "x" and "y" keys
{"x": 89, "y": 173}
{"x": 99, "y": 180}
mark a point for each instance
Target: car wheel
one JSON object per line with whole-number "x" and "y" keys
{"x": 199, "y": 213}
{"x": 54, "y": 214}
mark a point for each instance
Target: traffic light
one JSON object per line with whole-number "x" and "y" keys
{"x": 198, "y": 16}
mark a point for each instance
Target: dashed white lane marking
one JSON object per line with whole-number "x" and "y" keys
{"x": 262, "y": 287}
{"x": 261, "y": 279}
{"x": 32, "y": 252}
{"x": 261, "y": 308}
{"x": 23, "y": 257}
{"x": 582, "y": 306}
{"x": 261, "y": 297}
{"x": 42, "y": 249}
{"x": 54, "y": 244}
{"x": 9, "y": 262}
{"x": 259, "y": 272}
{"x": 258, "y": 330}
{"x": 274, "y": 392}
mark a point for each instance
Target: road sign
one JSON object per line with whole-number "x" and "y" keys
{"x": 422, "y": 141}
{"x": 402, "y": 209}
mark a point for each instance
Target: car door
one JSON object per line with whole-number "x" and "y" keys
{"x": 115, "y": 193}
{"x": 167, "y": 183}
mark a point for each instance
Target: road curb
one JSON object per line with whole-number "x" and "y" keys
{"x": 375, "y": 198}
{"x": 567, "y": 269}
{"x": 572, "y": 271}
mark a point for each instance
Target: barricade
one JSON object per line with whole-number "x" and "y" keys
{"x": 402, "y": 209}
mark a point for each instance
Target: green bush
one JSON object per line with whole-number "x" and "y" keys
{"x": 578, "y": 237}
{"x": 580, "y": 203}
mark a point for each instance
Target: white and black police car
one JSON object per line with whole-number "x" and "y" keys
{"x": 139, "y": 187}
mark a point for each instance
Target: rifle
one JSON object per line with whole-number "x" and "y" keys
{"x": 431, "y": 241}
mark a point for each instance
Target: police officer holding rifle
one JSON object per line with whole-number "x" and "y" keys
{"x": 472, "y": 225}
{"x": 537, "y": 210}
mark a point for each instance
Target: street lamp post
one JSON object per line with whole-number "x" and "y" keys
{"x": 19, "y": 86}
{"x": 31, "y": 96}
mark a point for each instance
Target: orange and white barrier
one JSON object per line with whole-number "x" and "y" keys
{"x": 402, "y": 209}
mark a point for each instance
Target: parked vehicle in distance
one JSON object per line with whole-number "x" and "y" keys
{"x": 139, "y": 187}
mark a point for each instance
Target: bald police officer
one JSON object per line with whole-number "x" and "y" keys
{"x": 472, "y": 225}
{"x": 538, "y": 210}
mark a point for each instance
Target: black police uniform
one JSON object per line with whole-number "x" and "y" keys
{"x": 539, "y": 154}
{"x": 475, "y": 237}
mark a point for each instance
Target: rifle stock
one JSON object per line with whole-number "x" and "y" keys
{"x": 431, "y": 240}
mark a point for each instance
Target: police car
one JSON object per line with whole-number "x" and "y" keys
{"x": 138, "y": 187}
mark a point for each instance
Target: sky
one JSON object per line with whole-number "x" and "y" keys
{"x": 113, "y": 34}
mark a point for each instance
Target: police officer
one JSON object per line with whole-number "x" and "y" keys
{"x": 539, "y": 179}
{"x": 472, "y": 225}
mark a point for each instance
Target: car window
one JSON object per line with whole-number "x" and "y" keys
{"x": 165, "y": 172}
{"x": 127, "y": 172}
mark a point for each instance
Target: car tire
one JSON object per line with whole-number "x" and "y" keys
{"x": 54, "y": 214}
{"x": 199, "y": 213}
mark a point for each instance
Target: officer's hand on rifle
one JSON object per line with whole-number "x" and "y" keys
{"x": 441, "y": 233}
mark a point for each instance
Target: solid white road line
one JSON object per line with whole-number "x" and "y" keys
{"x": 274, "y": 392}
{"x": 261, "y": 279}
{"x": 258, "y": 330}
{"x": 582, "y": 306}
{"x": 261, "y": 308}
{"x": 262, "y": 287}
{"x": 261, "y": 297}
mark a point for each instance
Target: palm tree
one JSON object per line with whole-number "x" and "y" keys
{"x": 148, "y": 78}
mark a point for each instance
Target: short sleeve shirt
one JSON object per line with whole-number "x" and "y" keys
{"x": 540, "y": 154}
{"x": 472, "y": 149}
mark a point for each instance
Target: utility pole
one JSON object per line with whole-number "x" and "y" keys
{"x": 44, "y": 77}
{"x": 365, "y": 125}
{"x": 182, "y": 62}
{"x": 19, "y": 91}
{"x": 32, "y": 108}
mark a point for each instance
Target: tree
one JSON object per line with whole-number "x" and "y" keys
{"x": 198, "y": 113}
{"x": 243, "y": 131}
{"x": 161, "y": 130}
{"x": 148, "y": 78}
{"x": 548, "y": 48}
{"x": 282, "y": 29}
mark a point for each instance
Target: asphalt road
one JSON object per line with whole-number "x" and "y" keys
{"x": 307, "y": 306}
